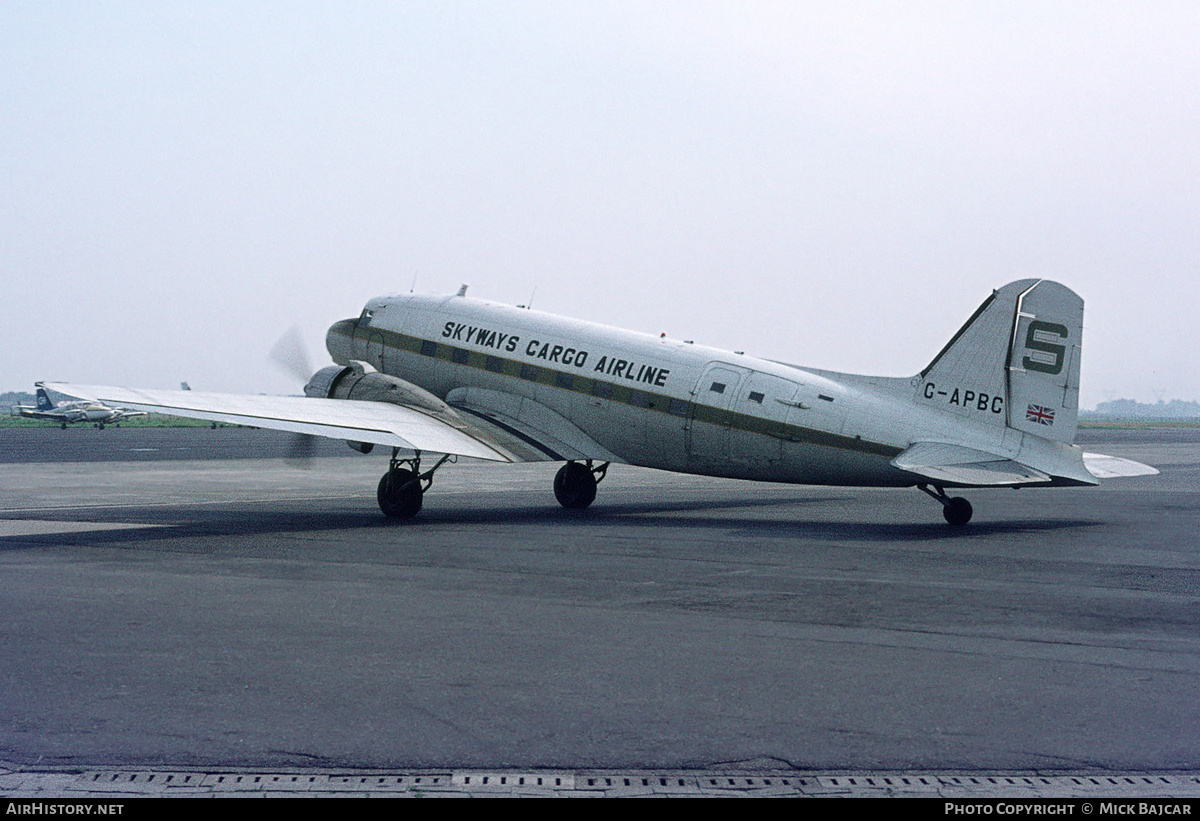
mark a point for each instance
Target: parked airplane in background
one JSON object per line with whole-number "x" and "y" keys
{"x": 451, "y": 375}
{"x": 68, "y": 413}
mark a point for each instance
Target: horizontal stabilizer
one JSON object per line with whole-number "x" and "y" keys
{"x": 379, "y": 423}
{"x": 947, "y": 464}
{"x": 1103, "y": 466}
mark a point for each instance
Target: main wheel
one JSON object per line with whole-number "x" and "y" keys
{"x": 957, "y": 511}
{"x": 400, "y": 494}
{"x": 575, "y": 486}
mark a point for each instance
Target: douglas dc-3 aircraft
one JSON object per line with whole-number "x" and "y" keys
{"x": 68, "y": 413}
{"x": 452, "y": 375}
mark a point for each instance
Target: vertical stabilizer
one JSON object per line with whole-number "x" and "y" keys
{"x": 1015, "y": 363}
{"x": 1043, "y": 366}
{"x": 43, "y": 400}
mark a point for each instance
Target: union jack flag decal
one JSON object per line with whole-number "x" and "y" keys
{"x": 1041, "y": 415}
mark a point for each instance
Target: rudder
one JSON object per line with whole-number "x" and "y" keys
{"x": 1043, "y": 367}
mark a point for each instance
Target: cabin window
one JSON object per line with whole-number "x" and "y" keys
{"x": 826, "y": 398}
{"x": 530, "y": 372}
{"x": 428, "y": 347}
{"x": 601, "y": 389}
{"x": 564, "y": 380}
{"x": 494, "y": 364}
{"x": 755, "y": 396}
{"x": 460, "y": 355}
{"x": 718, "y": 387}
{"x": 678, "y": 407}
{"x": 639, "y": 399}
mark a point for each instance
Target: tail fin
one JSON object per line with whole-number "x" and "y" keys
{"x": 1015, "y": 363}
{"x": 43, "y": 400}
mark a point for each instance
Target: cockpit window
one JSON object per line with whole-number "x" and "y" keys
{"x": 364, "y": 319}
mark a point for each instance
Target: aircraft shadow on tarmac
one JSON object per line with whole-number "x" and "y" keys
{"x": 282, "y": 517}
{"x": 788, "y": 525}
{"x": 783, "y": 527}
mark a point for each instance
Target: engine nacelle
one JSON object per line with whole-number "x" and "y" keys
{"x": 321, "y": 383}
{"x": 359, "y": 380}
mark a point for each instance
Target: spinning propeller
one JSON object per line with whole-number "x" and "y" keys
{"x": 291, "y": 356}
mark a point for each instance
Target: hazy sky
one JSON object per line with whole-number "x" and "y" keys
{"x": 833, "y": 184}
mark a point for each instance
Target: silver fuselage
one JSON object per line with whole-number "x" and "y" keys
{"x": 661, "y": 402}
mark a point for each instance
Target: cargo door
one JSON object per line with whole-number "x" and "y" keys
{"x": 711, "y": 420}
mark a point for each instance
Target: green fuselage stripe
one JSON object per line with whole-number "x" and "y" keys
{"x": 613, "y": 391}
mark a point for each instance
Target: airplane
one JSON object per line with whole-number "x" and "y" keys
{"x": 68, "y": 413}
{"x": 458, "y": 376}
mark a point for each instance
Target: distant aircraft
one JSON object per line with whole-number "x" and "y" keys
{"x": 68, "y": 413}
{"x": 452, "y": 375}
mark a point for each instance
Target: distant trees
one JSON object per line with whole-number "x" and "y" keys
{"x": 16, "y": 398}
{"x": 1129, "y": 408}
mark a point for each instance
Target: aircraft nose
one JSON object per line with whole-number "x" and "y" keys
{"x": 338, "y": 339}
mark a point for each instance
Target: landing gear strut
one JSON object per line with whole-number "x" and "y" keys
{"x": 575, "y": 484}
{"x": 402, "y": 488}
{"x": 957, "y": 510}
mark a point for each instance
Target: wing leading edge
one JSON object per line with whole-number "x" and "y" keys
{"x": 379, "y": 423}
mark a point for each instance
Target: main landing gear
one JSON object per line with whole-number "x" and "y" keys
{"x": 402, "y": 488}
{"x": 957, "y": 510}
{"x": 575, "y": 484}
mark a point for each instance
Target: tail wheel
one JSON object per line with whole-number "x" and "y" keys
{"x": 400, "y": 494}
{"x": 575, "y": 486}
{"x": 957, "y": 511}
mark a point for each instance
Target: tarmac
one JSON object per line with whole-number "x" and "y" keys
{"x": 189, "y": 613}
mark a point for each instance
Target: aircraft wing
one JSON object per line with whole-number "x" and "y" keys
{"x": 527, "y": 428}
{"x": 380, "y": 423}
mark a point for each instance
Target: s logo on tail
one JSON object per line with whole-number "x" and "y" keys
{"x": 1048, "y": 356}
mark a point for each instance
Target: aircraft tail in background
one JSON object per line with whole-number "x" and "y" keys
{"x": 43, "y": 400}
